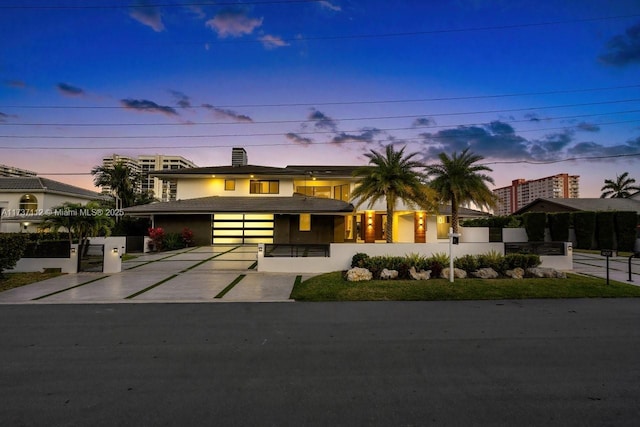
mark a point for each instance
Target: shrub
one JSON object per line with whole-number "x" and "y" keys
{"x": 605, "y": 229}
{"x": 559, "y": 226}
{"x": 491, "y": 259}
{"x": 584, "y": 225}
{"x": 172, "y": 241}
{"x": 534, "y": 224}
{"x": 157, "y": 237}
{"x": 467, "y": 263}
{"x": 419, "y": 261}
{"x": 523, "y": 261}
{"x": 12, "y": 247}
{"x": 626, "y": 223}
{"x": 359, "y": 260}
{"x": 187, "y": 237}
{"x": 436, "y": 263}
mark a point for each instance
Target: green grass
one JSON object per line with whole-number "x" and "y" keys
{"x": 332, "y": 287}
{"x": 127, "y": 257}
{"x": 15, "y": 280}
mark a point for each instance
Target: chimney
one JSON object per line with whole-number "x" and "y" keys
{"x": 238, "y": 157}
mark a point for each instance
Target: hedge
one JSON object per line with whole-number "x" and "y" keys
{"x": 605, "y": 229}
{"x": 559, "y": 226}
{"x": 534, "y": 224}
{"x": 584, "y": 225}
{"x": 11, "y": 249}
{"x": 626, "y": 223}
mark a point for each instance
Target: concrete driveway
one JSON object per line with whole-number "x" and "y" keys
{"x": 202, "y": 274}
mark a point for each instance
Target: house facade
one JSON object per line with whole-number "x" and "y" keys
{"x": 300, "y": 204}
{"x": 24, "y": 201}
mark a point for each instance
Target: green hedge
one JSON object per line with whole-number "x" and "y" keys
{"x": 12, "y": 247}
{"x": 559, "y": 226}
{"x": 494, "y": 221}
{"x": 534, "y": 224}
{"x": 605, "y": 229}
{"x": 626, "y": 223}
{"x": 584, "y": 225}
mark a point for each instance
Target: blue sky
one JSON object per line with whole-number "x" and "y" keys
{"x": 526, "y": 84}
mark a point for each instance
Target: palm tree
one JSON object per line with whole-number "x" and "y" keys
{"x": 80, "y": 221}
{"x": 621, "y": 188}
{"x": 392, "y": 176}
{"x": 458, "y": 180}
{"x": 121, "y": 179}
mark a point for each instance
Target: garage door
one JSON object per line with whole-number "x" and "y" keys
{"x": 242, "y": 228}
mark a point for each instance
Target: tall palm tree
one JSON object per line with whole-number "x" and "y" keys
{"x": 122, "y": 180}
{"x": 621, "y": 188}
{"x": 392, "y": 176}
{"x": 80, "y": 221}
{"x": 457, "y": 179}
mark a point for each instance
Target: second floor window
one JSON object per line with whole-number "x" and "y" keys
{"x": 264, "y": 186}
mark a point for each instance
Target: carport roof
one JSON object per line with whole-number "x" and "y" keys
{"x": 294, "y": 204}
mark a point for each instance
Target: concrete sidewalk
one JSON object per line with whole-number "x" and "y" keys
{"x": 204, "y": 274}
{"x": 595, "y": 265}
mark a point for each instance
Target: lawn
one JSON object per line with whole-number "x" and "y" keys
{"x": 332, "y": 287}
{"x": 15, "y": 280}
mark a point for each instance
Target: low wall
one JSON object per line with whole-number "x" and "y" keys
{"x": 37, "y": 265}
{"x": 342, "y": 253}
{"x": 111, "y": 242}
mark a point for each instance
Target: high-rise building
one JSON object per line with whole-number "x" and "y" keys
{"x": 522, "y": 192}
{"x": 11, "y": 171}
{"x": 239, "y": 157}
{"x": 164, "y": 190}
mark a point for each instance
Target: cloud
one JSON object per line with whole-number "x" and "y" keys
{"x": 68, "y": 90}
{"x": 227, "y": 114}
{"x": 3, "y": 117}
{"x": 551, "y": 146}
{"x": 322, "y": 121}
{"x": 623, "y": 49}
{"x": 423, "y": 122}
{"x": 233, "y": 23}
{"x": 594, "y": 149}
{"x": 298, "y": 139}
{"x": 496, "y": 139}
{"x": 588, "y": 127}
{"x": 15, "y": 84}
{"x": 366, "y": 135}
{"x": 148, "y": 106}
{"x": 147, "y": 14}
{"x": 182, "y": 100}
{"x": 532, "y": 117}
{"x": 328, "y": 5}
{"x": 272, "y": 42}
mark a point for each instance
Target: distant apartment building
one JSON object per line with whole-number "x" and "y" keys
{"x": 164, "y": 190}
{"x": 522, "y": 192}
{"x": 10, "y": 171}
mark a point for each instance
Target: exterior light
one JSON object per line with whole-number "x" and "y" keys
{"x": 73, "y": 250}
{"x": 115, "y": 250}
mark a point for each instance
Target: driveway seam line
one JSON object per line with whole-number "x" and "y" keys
{"x": 69, "y": 288}
{"x": 207, "y": 260}
{"x": 230, "y": 286}
{"x": 161, "y": 259}
{"x": 166, "y": 279}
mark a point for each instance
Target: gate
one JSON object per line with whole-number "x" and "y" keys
{"x": 91, "y": 258}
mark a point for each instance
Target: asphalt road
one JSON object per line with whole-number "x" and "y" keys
{"x": 532, "y": 362}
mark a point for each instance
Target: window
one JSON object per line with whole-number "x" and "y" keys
{"x": 230, "y": 185}
{"x": 305, "y": 222}
{"x": 341, "y": 192}
{"x": 28, "y": 203}
{"x": 315, "y": 191}
{"x": 264, "y": 186}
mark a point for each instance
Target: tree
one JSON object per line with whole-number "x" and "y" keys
{"x": 621, "y": 188}
{"x": 12, "y": 246}
{"x": 122, "y": 180}
{"x": 81, "y": 221}
{"x": 457, "y": 179}
{"x": 392, "y": 176}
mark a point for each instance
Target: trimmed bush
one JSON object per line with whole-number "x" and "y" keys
{"x": 534, "y": 224}
{"x": 605, "y": 229}
{"x": 559, "y": 226}
{"x": 172, "y": 241}
{"x": 584, "y": 225}
{"x": 626, "y": 223}
{"x": 12, "y": 246}
{"x": 467, "y": 263}
{"x": 523, "y": 261}
{"x": 359, "y": 259}
{"x": 491, "y": 259}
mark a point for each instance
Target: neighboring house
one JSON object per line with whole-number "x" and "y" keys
{"x": 587, "y": 204}
{"x": 244, "y": 203}
{"x": 24, "y": 200}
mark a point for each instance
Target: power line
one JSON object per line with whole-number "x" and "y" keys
{"x": 345, "y": 133}
{"x": 405, "y": 116}
{"x": 307, "y": 104}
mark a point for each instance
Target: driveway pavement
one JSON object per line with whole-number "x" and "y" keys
{"x": 596, "y": 265}
{"x": 202, "y": 274}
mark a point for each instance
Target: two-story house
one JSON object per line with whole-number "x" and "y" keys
{"x": 24, "y": 200}
{"x": 247, "y": 204}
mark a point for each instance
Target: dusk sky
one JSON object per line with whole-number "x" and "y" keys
{"x": 526, "y": 84}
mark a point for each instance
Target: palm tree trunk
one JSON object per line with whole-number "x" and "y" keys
{"x": 454, "y": 213}
{"x": 389, "y": 227}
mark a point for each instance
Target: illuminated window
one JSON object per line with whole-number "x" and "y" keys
{"x": 305, "y": 222}
{"x": 341, "y": 192}
{"x": 315, "y": 191}
{"x": 230, "y": 185}
{"x": 264, "y": 186}
{"x": 28, "y": 202}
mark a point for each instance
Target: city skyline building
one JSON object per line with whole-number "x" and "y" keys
{"x": 522, "y": 192}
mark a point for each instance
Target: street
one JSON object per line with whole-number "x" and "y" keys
{"x": 529, "y": 362}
